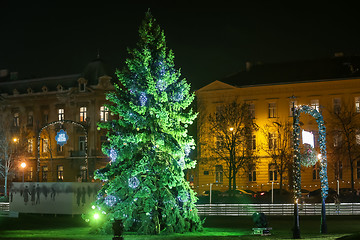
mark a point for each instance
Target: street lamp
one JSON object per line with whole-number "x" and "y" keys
{"x": 23, "y": 165}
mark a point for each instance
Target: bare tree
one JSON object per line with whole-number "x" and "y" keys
{"x": 11, "y": 146}
{"x": 345, "y": 133}
{"x": 279, "y": 146}
{"x": 232, "y": 126}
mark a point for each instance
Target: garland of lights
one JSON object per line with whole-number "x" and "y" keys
{"x": 297, "y": 155}
{"x": 308, "y": 156}
{"x": 62, "y": 122}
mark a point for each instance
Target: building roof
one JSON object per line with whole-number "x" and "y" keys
{"x": 92, "y": 71}
{"x": 37, "y": 84}
{"x": 297, "y": 71}
{"x": 95, "y": 69}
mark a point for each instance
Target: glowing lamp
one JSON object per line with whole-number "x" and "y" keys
{"x": 96, "y": 216}
{"x": 23, "y": 165}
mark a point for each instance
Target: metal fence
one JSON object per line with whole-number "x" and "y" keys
{"x": 276, "y": 209}
{"x": 4, "y": 206}
{"x": 268, "y": 209}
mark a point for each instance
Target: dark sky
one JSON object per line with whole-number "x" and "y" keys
{"x": 209, "y": 42}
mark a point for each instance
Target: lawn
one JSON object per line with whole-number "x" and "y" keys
{"x": 29, "y": 226}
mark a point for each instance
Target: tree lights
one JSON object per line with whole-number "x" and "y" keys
{"x": 144, "y": 184}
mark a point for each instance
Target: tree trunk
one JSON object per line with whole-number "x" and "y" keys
{"x": 6, "y": 179}
{"x": 234, "y": 179}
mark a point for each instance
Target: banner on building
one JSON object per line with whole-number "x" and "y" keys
{"x": 52, "y": 197}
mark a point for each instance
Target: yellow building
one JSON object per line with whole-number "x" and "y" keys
{"x": 270, "y": 91}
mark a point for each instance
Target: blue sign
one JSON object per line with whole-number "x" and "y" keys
{"x": 61, "y": 137}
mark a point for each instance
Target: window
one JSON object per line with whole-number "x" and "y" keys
{"x": 30, "y": 119}
{"x": 292, "y": 104}
{"x": 82, "y": 87}
{"x": 206, "y": 172}
{"x": 357, "y": 137}
{"x": 45, "y": 173}
{"x": 358, "y": 169}
{"x": 30, "y": 174}
{"x": 60, "y": 172}
{"x": 218, "y": 173}
{"x": 336, "y": 105}
{"x": 251, "y": 107}
{"x": 272, "y": 173}
{"x": 219, "y": 141}
{"x": 252, "y": 176}
{"x": 82, "y": 114}
{"x": 357, "y": 104}
{"x": 16, "y": 119}
{"x": 337, "y": 140}
{"x": 272, "y": 110}
{"x": 338, "y": 170}
{"x": 82, "y": 143}
{"x": 59, "y": 148}
{"x": 30, "y": 145}
{"x": 253, "y": 142}
{"x": 104, "y": 114}
{"x": 315, "y": 104}
{"x": 272, "y": 141}
{"x": 61, "y": 114}
{"x": 83, "y": 173}
{"x": 45, "y": 145}
{"x": 316, "y": 172}
{"x": 45, "y": 117}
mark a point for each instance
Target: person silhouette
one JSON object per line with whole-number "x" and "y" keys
{"x": 37, "y": 194}
{"x": 33, "y": 194}
{"x": 53, "y": 194}
{"x": 78, "y": 196}
{"x": 45, "y": 191}
{"x": 83, "y": 194}
{"x": 25, "y": 194}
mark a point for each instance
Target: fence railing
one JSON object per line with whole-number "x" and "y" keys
{"x": 267, "y": 209}
{"x": 276, "y": 209}
{"x": 4, "y": 206}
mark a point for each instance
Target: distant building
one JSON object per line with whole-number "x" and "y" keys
{"x": 77, "y": 101}
{"x": 324, "y": 84}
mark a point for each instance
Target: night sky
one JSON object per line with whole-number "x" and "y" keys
{"x": 209, "y": 42}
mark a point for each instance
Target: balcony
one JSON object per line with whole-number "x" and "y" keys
{"x": 77, "y": 153}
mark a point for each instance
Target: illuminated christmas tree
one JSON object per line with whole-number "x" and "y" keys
{"x": 144, "y": 183}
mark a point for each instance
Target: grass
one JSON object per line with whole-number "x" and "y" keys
{"x": 49, "y": 227}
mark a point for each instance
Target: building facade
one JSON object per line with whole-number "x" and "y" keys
{"x": 271, "y": 91}
{"x": 37, "y": 109}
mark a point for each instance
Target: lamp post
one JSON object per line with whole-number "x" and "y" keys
{"x": 23, "y": 165}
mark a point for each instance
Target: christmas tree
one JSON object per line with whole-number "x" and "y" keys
{"x": 144, "y": 182}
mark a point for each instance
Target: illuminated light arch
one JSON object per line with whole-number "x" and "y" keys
{"x": 323, "y": 159}
{"x": 62, "y": 122}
